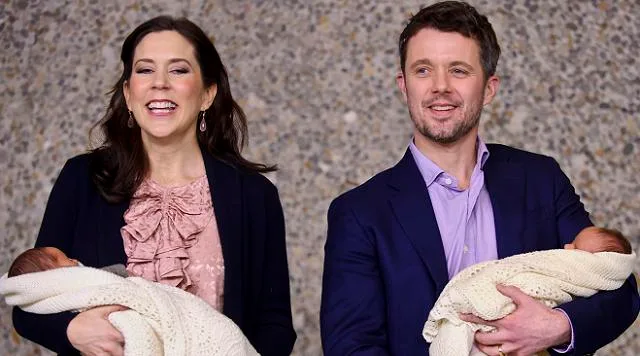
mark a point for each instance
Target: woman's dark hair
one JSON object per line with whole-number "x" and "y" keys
{"x": 455, "y": 16}
{"x": 120, "y": 164}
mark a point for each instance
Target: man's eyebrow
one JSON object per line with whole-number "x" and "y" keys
{"x": 460, "y": 63}
{"x": 420, "y": 61}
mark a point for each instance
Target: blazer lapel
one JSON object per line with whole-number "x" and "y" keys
{"x": 413, "y": 210}
{"x": 505, "y": 182}
{"x": 110, "y": 247}
{"x": 226, "y": 194}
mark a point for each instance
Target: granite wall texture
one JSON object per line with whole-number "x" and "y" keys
{"x": 316, "y": 79}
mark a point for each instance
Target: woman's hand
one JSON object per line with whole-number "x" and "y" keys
{"x": 91, "y": 333}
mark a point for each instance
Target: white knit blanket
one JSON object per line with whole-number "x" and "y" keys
{"x": 552, "y": 277}
{"x": 161, "y": 320}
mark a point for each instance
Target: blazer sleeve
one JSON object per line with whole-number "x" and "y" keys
{"x": 600, "y": 319}
{"x": 352, "y": 312}
{"x": 57, "y": 229}
{"x": 274, "y": 334}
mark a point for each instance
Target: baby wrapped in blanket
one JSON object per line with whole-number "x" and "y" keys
{"x": 161, "y": 320}
{"x": 598, "y": 259}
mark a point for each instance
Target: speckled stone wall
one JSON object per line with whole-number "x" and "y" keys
{"x": 316, "y": 79}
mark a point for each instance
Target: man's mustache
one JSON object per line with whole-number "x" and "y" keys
{"x": 440, "y": 99}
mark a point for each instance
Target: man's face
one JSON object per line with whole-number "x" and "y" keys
{"x": 444, "y": 85}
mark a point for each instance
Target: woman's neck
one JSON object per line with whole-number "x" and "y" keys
{"x": 174, "y": 164}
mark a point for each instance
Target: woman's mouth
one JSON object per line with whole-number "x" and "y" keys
{"x": 161, "y": 106}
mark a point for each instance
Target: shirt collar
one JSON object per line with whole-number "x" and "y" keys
{"x": 430, "y": 171}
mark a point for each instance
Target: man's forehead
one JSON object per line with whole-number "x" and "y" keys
{"x": 431, "y": 45}
{"x": 429, "y": 37}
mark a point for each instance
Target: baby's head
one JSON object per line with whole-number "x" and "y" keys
{"x": 597, "y": 239}
{"x": 40, "y": 259}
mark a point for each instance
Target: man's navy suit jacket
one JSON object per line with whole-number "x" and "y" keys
{"x": 385, "y": 264}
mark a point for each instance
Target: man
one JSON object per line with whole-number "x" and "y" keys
{"x": 452, "y": 201}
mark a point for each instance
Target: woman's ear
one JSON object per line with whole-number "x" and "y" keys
{"x": 209, "y": 96}
{"x": 125, "y": 92}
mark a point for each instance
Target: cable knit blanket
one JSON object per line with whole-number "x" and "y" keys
{"x": 161, "y": 320}
{"x": 552, "y": 277}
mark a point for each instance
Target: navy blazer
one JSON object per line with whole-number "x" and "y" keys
{"x": 250, "y": 222}
{"x": 385, "y": 264}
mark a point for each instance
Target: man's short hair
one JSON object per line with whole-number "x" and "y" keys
{"x": 455, "y": 16}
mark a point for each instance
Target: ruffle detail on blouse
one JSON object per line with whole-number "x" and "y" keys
{"x": 162, "y": 224}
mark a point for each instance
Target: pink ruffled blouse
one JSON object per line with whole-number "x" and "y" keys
{"x": 171, "y": 237}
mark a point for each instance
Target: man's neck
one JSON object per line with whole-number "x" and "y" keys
{"x": 457, "y": 159}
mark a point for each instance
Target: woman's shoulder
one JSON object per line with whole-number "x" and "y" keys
{"x": 79, "y": 162}
{"x": 75, "y": 175}
{"x": 250, "y": 180}
{"x": 76, "y": 167}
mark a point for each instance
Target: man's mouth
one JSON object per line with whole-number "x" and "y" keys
{"x": 442, "y": 107}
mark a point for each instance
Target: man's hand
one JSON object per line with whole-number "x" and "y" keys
{"x": 91, "y": 333}
{"x": 531, "y": 328}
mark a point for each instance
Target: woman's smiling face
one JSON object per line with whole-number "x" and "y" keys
{"x": 165, "y": 91}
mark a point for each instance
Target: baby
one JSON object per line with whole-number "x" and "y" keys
{"x": 161, "y": 320}
{"x": 597, "y": 259}
{"x": 40, "y": 259}
{"x": 598, "y": 239}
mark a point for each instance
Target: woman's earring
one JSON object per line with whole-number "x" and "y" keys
{"x": 203, "y": 124}
{"x": 130, "y": 121}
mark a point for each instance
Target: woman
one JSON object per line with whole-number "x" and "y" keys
{"x": 169, "y": 194}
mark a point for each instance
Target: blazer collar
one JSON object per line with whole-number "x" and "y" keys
{"x": 506, "y": 183}
{"x": 411, "y": 205}
{"x": 226, "y": 194}
{"x": 412, "y": 208}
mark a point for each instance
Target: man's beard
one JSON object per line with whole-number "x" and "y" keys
{"x": 461, "y": 129}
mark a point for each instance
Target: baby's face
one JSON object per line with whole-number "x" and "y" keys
{"x": 61, "y": 259}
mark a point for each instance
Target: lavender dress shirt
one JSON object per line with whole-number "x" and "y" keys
{"x": 465, "y": 217}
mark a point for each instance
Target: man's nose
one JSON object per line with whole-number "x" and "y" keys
{"x": 441, "y": 82}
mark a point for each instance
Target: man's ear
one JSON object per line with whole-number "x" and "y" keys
{"x": 209, "y": 96}
{"x": 491, "y": 89}
{"x": 402, "y": 84}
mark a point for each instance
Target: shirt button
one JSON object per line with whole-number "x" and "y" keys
{"x": 448, "y": 181}
{"x": 465, "y": 249}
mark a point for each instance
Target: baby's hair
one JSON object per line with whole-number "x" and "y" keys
{"x": 32, "y": 260}
{"x": 614, "y": 241}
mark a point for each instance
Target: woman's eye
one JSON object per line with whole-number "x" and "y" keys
{"x": 143, "y": 70}
{"x": 180, "y": 70}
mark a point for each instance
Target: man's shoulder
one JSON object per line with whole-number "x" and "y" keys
{"x": 513, "y": 153}
{"x": 366, "y": 195}
{"x": 504, "y": 153}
